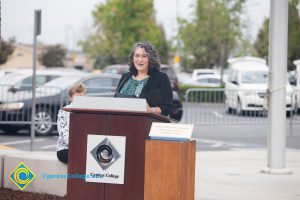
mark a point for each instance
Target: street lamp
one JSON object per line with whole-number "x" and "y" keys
{"x": 69, "y": 43}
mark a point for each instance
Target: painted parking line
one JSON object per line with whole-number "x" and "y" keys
{"x": 213, "y": 143}
{"x": 22, "y": 141}
{"x": 5, "y": 147}
{"x": 49, "y": 146}
{"x": 231, "y": 145}
{"x": 217, "y": 114}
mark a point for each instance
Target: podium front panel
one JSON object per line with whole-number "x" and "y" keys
{"x": 82, "y": 125}
{"x": 135, "y": 128}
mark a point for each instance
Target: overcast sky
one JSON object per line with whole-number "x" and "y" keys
{"x": 64, "y": 21}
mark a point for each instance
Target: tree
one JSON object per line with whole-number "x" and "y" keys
{"x": 53, "y": 56}
{"x": 118, "y": 24}
{"x": 6, "y": 49}
{"x": 212, "y": 35}
{"x": 262, "y": 40}
{"x": 261, "y": 44}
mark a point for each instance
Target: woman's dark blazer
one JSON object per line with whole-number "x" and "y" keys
{"x": 157, "y": 87}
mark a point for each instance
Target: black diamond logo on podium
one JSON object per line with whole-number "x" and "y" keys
{"x": 105, "y": 154}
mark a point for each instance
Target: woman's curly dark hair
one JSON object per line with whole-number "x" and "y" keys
{"x": 154, "y": 63}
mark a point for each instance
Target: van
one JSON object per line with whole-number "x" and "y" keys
{"x": 297, "y": 84}
{"x": 247, "y": 85}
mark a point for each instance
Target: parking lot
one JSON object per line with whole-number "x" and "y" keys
{"x": 211, "y": 132}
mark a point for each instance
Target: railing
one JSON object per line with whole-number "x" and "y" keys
{"x": 16, "y": 106}
{"x": 201, "y": 106}
{"x": 219, "y": 107}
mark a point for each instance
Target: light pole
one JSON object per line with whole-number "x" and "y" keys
{"x": 36, "y": 32}
{"x": 277, "y": 86}
{"x": 176, "y": 59}
{"x": 69, "y": 42}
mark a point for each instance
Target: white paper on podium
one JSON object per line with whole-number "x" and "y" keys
{"x": 171, "y": 131}
{"x": 109, "y": 103}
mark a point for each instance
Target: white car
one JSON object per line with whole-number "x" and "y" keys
{"x": 6, "y": 71}
{"x": 200, "y": 72}
{"x": 247, "y": 85}
{"x": 22, "y": 78}
{"x": 209, "y": 80}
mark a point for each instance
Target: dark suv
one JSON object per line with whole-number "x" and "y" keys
{"x": 172, "y": 76}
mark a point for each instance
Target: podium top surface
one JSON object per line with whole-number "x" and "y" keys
{"x": 111, "y": 105}
{"x": 121, "y": 112}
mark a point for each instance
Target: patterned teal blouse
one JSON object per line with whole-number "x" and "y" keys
{"x": 134, "y": 87}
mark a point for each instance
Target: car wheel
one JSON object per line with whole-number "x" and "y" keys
{"x": 239, "y": 110}
{"x": 227, "y": 107}
{"x": 43, "y": 122}
{"x": 297, "y": 108}
{"x": 289, "y": 113}
{"x": 176, "y": 110}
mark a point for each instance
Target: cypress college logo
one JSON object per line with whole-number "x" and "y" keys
{"x": 22, "y": 176}
{"x": 105, "y": 159}
{"x": 105, "y": 153}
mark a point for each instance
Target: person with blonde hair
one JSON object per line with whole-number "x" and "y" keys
{"x": 63, "y": 119}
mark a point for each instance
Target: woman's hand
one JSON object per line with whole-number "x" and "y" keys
{"x": 149, "y": 108}
{"x": 153, "y": 109}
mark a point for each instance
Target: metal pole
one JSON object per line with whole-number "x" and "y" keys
{"x": 36, "y": 32}
{"x": 277, "y": 85}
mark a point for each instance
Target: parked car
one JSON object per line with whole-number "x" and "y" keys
{"x": 49, "y": 99}
{"x": 22, "y": 79}
{"x": 247, "y": 86}
{"x": 123, "y": 68}
{"x": 116, "y": 69}
{"x": 176, "y": 109}
{"x": 172, "y": 76}
{"x": 6, "y": 71}
{"x": 52, "y": 96}
{"x": 208, "y": 80}
{"x": 200, "y": 72}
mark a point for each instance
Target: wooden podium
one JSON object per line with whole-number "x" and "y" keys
{"x": 170, "y": 170}
{"x": 145, "y": 159}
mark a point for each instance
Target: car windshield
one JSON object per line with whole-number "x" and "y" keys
{"x": 254, "y": 77}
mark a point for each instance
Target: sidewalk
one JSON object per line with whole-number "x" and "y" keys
{"x": 235, "y": 175}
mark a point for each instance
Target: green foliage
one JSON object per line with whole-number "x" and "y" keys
{"x": 261, "y": 44}
{"x": 262, "y": 41}
{"x": 212, "y": 35}
{"x": 53, "y": 56}
{"x": 118, "y": 25}
{"x": 6, "y": 49}
{"x": 293, "y": 34}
